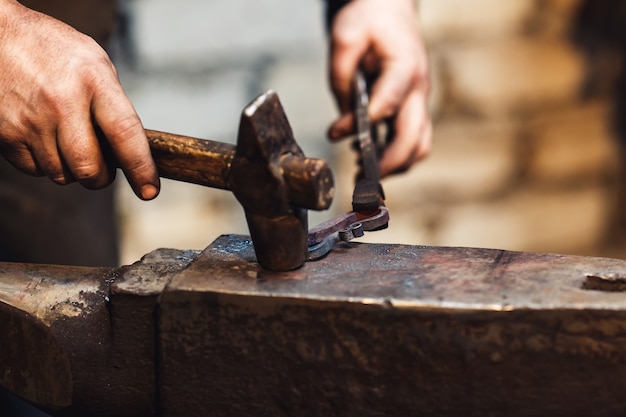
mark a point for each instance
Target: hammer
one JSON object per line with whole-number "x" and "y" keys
{"x": 266, "y": 171}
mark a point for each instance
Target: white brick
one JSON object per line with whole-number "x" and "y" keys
{"x": 184, "y": 216}
{"x": 437, "y": 98}
{"x": 477, "y": 19}
{"x": 462, "y": 195}
{"x": 567, "y": 7}
{"x": 576, "y": 144}
{"x": 305, "y": 95}
{"x": 544, "y": 221}
{"x": 409, "y": 227}
{"x": 555, "y": 17}
{"x": 206, "y": 106}
{"x": 531, "y": 220}
{"x": 197, "y": 32}
{"x": 522, "y": 75}
{"x": 469, "y": 159}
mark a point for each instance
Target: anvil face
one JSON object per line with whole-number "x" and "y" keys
{"x": 415, "y": 276}
{"x": 369, "y": 330}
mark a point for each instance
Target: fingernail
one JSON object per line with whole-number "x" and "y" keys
{"x": 149, "y": 191}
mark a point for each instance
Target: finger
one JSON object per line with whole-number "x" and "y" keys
{"x": 48, "y": 159}
{"x": 21, "y": 158}
{"x": 119, "y": 122}
{"x": 81, "y": 152}
{"x": 413, "y": 136}
{"x": 349, "y": 42}
{"x": 390, "y": 90}
{"x": 342, "y": 127}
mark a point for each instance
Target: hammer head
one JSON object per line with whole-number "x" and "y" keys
{"x": 267, "y": 177}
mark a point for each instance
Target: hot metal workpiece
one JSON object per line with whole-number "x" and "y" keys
{"x": 369, "y": 330}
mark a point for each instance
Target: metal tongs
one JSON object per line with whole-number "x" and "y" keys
{"x": 368, "y": 209}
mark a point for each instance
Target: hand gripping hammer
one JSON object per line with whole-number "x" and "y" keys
{"x": 266, "y": 171}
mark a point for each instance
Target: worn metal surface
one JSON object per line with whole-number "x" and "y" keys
{"x": 37, "y": 304}
{"x": 376, "y": 330}
{"x": 267, "y": 172}
{"x": 370, "y": 330}
{"x": 81, "y": 341}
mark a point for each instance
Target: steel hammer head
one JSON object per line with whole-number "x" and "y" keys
{"x": 276, "y": 184}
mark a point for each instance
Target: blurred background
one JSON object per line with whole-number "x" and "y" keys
{"x": 524, "y": 157}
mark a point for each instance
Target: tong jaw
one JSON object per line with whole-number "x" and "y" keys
{"x": 368, "y": 208}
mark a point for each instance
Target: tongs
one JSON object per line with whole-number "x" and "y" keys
{"x": 368, "y": 209}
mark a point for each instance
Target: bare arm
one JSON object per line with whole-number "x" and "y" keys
{"x": 57, "y": 88}
{"x": 383, "y": 37}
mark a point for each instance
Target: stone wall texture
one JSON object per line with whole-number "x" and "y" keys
{"x": 521, "y": 159}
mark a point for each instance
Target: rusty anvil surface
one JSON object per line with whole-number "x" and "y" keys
{"x": 370, "y": 330}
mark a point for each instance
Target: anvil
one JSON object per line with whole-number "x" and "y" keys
{"x": 369, "y": 330}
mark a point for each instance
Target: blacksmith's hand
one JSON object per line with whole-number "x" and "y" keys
{"x": 57, "y": 88}
{"x": 383, "y": 37}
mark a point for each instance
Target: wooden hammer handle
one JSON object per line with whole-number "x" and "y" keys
{"x": 192, "y": 160}
{"x": 199, "y": 161}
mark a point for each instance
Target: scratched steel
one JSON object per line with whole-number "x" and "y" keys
{"x": 79, "y": 341}
{"x": 369, "y": 330}
{"x": 414, "y": 276}
{"x": 375, "y": 330}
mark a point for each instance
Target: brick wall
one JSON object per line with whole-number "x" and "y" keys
{"x": 520, "y": 161}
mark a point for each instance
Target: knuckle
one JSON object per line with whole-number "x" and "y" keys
{"x": 99, "y": 66}
{"x": 22, "y": 160}
{"x": 60, "y": 179}
{"x": 388, "y": 105}
{"x": 125, "y": 128}
{"x": 90, "y": 68}
{"x": 93, "y": 176}
{"x": 417, "y": 70}
{"x": 54, "y": 169}
{"x": 345, "y": 35}
{"x": 56, "y": 173}
{"x": 58, "y": 104}
{"x": 139, "y": 165}
{"x": 86, "y": 171}
{"x": 89, "y": 54}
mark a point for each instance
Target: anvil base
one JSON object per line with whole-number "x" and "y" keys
{"x": 370, "y": 330}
